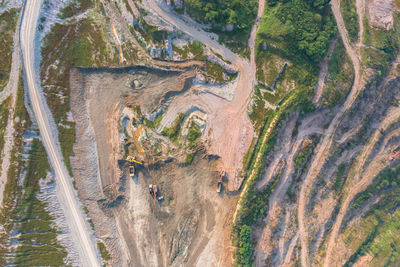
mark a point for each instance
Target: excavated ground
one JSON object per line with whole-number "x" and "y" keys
{"x": 189, "y": 226}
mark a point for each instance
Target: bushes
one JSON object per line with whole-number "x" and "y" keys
{"x": 245, "y": 246}
{"x": 349, "y": 13}
{"x": 174, "y": 131}
{"x": 219, "y": 13}
{"x": 300, "y": 29}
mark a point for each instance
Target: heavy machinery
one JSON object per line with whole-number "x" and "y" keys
{"x": 221, "y": 175}
{"x": 131, "y": 170}
{"x": 154, "y": 192}
{"x": 395, "y": 154}
{"x": 132, "y": 162}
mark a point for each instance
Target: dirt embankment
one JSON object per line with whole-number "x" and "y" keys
{"x": 189, "y": 226}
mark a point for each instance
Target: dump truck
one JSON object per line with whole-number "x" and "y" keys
{"x": 221, "y": 175}
{"x": 131, "y": 170}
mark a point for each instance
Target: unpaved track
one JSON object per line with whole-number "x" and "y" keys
{"x": 361, "y": 179}
{"x": 324, "y": 146}
{"x": 79, "y": 229}
{"x": 230, "y": 128}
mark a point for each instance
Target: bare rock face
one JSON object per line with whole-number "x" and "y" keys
{"x": 381, "y": 13}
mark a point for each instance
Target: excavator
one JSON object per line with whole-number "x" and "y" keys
{"x": 395, "y": 154}
{"x": 153, "y": 190}
{"x": 132, "y": 161}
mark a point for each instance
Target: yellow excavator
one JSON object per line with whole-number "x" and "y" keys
{"x": 132, "y": 160}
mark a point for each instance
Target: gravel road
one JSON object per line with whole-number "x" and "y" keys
{"x": 84, "y": 241}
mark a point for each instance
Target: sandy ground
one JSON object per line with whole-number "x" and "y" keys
{"x": 189, "y": 227}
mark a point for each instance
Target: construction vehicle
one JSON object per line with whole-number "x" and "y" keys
{"x": 221, "y": 175}
{"x": 219, "y": 186}
{"x": 133, "y": 160}
{"x": 394, "y": 154}
{"x": 154, "y": 192}
{"x": 131, "y": 170}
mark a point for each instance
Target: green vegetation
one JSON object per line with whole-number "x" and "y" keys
{"x": 245, "y": 246}
{"x": 300, "y": 29}
{"x": 220, "y": 13}
{"x": 339, "y": 178}
{"x": 8, "y": 22}
{"x": 253, "y": 206}
{"x": 292, "y": 39}
{"x": 155, "y": 123}
{"x": 150, "y": 33}
{"x": 194, "y": 132}
{"x": 381, "y": 47}
{"x": 349, "y": 14}
{"x": 75, "y": 7}
{"x": 105, "y": 255}
{"x": 215, "y": 73}
{"x": 378, "y": 232}
{"x": 253, "y": 203}
{"x": 303, "y": 155}
{"x": 173, "y": 132}
{"x": 4, "y": 113}
{"x": 195, "y": 49}
{"x": 340, "y": 79}
{"x": 22, "y": 211}
{"x": 34, "y": 223}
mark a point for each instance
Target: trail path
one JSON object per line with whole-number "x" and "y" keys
{"x": 323, "y": 72}
{"x": 322, "y": 150}
{"x": 79, "y": 228}
{"x": 361, "y": 179}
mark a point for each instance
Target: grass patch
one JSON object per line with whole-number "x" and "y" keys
{"x": 34, "y": 224}
{"x": 340, "y": 78}
{"x": 4, "y": 114}
{"x": 173, "y": 132}
{"x": 220, "y": 13}
{"x": 216, "y": 74}
{"x": 253, "y": 203}
{"x": 378, "y": 233}
{"x": 80, "y": 44}
{"x": 339, "y": 178}
{"x": 155, "y": 123}
{"x": 105, "y": 255}
{"x": 350, "y": 18}
{"x": 8, "y": 22}
{"x": 193, "y": 49}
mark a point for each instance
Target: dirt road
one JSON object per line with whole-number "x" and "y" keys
{"x": 361, "y": 179}
{"x": 83, "y": 240}
{"x": 322, "y": 150}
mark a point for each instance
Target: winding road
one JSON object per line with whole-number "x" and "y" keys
{"x": 83, "y": 241}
